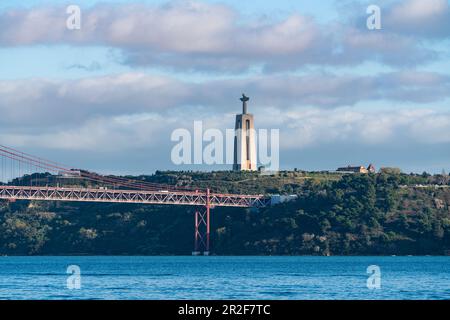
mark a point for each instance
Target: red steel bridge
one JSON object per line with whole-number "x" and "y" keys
{"x": 27, "y": 177}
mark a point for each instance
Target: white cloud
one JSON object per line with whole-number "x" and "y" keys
{"x": 350, "y": 126}
{"x": 123, "y": 112}
{"x": 408, "y": 20}
{"x": 413, "y": 10}
{"x": 98, "y": 134}
{"x": 193, "y": 35}
{"x": 300, "y": 128}
{"x": 40, "y": 103}
{"x": 418, "y": 19}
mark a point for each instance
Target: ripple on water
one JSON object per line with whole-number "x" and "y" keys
{"x": 224, "y": 278}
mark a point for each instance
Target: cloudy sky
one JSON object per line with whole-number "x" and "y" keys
{"x": 108, "y": 96}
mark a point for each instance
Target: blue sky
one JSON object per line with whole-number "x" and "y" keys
{"x": 340, "y": 94}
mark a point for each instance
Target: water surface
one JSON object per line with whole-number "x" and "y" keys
{"x": 225, "y": 278}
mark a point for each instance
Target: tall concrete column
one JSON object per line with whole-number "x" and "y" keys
{"x": 244, "y": 141}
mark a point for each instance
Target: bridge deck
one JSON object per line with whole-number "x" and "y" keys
{"x": 131, "y": 196}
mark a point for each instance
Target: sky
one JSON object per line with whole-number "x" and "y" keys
{"x": 108, "y": 96}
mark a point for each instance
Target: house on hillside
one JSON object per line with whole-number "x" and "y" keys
{"x": 357, "y": 169}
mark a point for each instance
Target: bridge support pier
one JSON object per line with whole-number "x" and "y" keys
{"x": 202, "y": 229}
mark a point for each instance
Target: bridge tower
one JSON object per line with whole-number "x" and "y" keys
{"x": 202, "y": 228}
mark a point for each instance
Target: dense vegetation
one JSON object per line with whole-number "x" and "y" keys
{"x": 382, "y": 214}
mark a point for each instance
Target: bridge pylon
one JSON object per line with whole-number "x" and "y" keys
{"x": 202, "y": 228}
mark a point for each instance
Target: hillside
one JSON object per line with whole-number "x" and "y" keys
{"x": 335, "y": 214}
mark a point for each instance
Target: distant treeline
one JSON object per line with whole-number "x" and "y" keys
{"x": 355, "y": 214}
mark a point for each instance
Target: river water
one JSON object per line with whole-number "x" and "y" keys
{"x": 224, "y": 278}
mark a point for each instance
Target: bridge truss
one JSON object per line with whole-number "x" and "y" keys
{"x": 25, "y": 183}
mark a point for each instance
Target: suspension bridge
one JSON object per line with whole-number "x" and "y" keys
{"x": 27, "y": 177}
